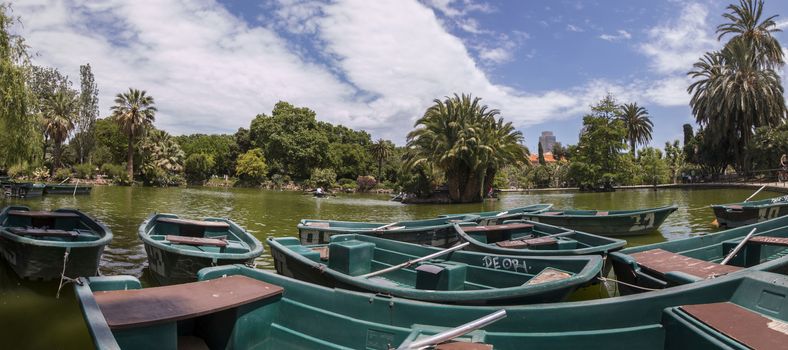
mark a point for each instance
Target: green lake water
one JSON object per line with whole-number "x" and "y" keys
{"x": 31, "y": 317}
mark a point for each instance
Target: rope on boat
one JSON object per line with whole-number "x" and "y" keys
{"x": 63, "y": 274}
{"x": 605, "y": 279}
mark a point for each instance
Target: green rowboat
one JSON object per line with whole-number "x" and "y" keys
{"x": 746, "y": 213}
{"x": 358, "y": 262}
{"x": 534, "y": 238}
{"x": 67, "y": 189}
{"x": 257, "y": 314}
{"x": 36, "y": 243}
{"x": 178, "y": 248}
{"x": 606, "y": 223}
{"x": 435, "y": 232}
{"x": 22, "y": 189}
{"x": 692, "y": 259}
{"x": 499, "y": 216}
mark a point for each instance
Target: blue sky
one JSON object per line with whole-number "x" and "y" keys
{"x": 376, "y": 65}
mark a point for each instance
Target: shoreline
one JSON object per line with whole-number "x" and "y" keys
{"x": 781, "y": 187}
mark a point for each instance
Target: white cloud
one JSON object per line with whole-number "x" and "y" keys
{"x": 671, "y": 91}
{"x": 573, "y": 28}
{"x": 620, "y": 35}
{"x": 674, "y": 46}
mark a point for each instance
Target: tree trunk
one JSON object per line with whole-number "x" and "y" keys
{"x": 130, "y": 160}
{"x": 56, "y": 158}
{"x": 489, "y": 177}
{"x": 472, "y": 191}
{"x": 632, "y": 144}
{"x": 453, "y": 183}
{"x": 380, "y": 167}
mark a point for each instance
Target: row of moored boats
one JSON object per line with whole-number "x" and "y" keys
{"x": 489, "y": 280}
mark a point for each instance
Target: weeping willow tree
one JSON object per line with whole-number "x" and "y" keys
{"x": 467, "y": 142}
{"x": 738, "y": 89}
{"x": 17, "y": 124}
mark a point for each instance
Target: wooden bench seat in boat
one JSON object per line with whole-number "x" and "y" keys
{"x": 553, "y": 213}
{"x": 43, "y": 214}
{"x": 504, "y": 227}
{"x": 200, "y": 223}
{"x": 769, "y": 240}
{"x": 42, "y": 232}
{"x": 461, "y": 345}
{"x": 601, "y": 213}
{"x": 149, "y": 306}
{"x": 529, "y": 242}
{"x": 661, "y": 262}
{"x": 214, "y": 242}
{"x": 548, "y": 275}
{"x": 323, "y": 251}
{"x": 734, "y": 207}
{"x": 746, "y": 327}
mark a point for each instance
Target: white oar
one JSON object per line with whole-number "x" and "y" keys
{"x": 384, "y": 226}
{"x": 455, "y": 332}
{"x": 411, "y": 262}
{"x": 756, "y": 192}
{"x": 738, "y": 247}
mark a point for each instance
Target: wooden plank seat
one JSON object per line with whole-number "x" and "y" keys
{"x": 318, "y": 224}
{"x": 43, "y": 232}
{"x": 769, "y": 240}
{"x": 527, "y": 242}
{"x": 149, "y": 306}
{"x": 548, "y": 275}
{"x": 215, "y": 242}
{"x": 42, "y": 214}
{"x": 601, "y": 213}
{"x": 661, "y": 262}
{"x": 323, "y": 251}
{"x": 504, "y": 227}
{"x": 553, "y": 213}
{"x": 200, "y": 223}
{"x": 461, "y": 345}
{"x": 746, "y": 327}
{"x": 734, "y": 207}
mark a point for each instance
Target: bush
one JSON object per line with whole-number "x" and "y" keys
{"x": 84, "y": 171}
{"x": 345, "y": 181}
{"x": 351, "y": 187}
{"x": 198, "y": 167}
{"x": 366, "y": 183}
{"x": 40, "y": 173}
{"x": 19, "y": 170}
{"x": 116, "y": 172}
{"x": 323, "y": 177}
{"x": 62, "y": 174}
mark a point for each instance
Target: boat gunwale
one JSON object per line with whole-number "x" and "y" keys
{"x": 103, "y": 240}
{"x": 255, "y": 246}
{"x": 302, "y": 225}
{"x": 615, "y": 244}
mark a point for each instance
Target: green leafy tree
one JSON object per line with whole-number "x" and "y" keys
{"x": 381, "y": 150}
{"x": 463, "y": 138}
{"x": 559, "y": 151}
{"x": 84, "y": 133}
{"x": 134, "y": 111}
{"x": 597, "y": 156}
{"x": 638, "y": 124}
{"x": 653, "y": 166}
{"x": 111, "y": 142}
{"x": 251, "y": 167}
{"x": 541, "y": 155}
{"x": 221, "y": 148}
{"x": 674, "y": 157}
{"x": 17, "y": 122}
{"x": 162, "y": 159}
{"x": 745, "y": 26}
{"x": 198, "y": 168}
{"x": 59, "y": 115}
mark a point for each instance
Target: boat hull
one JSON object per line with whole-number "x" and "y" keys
{"x": 732, "y": 218}
{"x": 168, "y": 267}
{"x": 583, "y": 270}
{"x": 35, "y": 262}
{"x": 634, "y": 224}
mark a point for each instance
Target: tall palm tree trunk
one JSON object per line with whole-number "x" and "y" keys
{"x": 632, "y": 145}
{"x": 130, "y": 160}
{"x": 380, "y": 167}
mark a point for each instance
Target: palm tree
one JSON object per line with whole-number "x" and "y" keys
{"x": 505, "y": 143}
{"x": 458, "y": 135}
{"x": 381, "y": 150}
{"x": 638, "y": 124}
{"x": 58, "y": 120}
{"x": 746, "y": 26}
{"x": 133, "y": 111}
{"x": 733, "y": 94}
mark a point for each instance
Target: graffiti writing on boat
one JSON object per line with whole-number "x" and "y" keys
{"x": 642, "y": 222}
{"x": 768, "y": 213}
{"x": 498, "y": 262}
